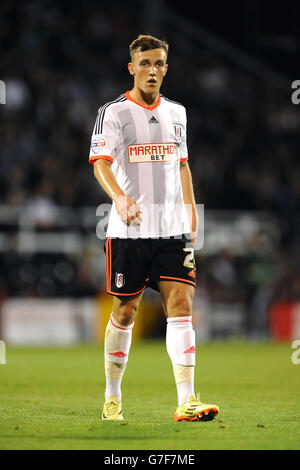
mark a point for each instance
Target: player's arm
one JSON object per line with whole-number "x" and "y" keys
{"x": 128, "y": 210}
{"x": 189, "y": 198}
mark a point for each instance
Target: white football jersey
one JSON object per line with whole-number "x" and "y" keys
{"x": 145, "y": 146}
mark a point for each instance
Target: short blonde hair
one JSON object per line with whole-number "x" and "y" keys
{"x": 145, "y": 42}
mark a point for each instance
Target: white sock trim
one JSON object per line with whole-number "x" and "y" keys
{"x": 186, "y": 319}
{"x": 118, "y": 325}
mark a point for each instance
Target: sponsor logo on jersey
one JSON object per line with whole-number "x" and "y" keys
{"x": 141, "y": 153}
{"x": 119, "y": 280}
{"x": 97, "y": 144}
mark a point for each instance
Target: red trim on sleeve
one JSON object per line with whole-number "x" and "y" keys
{"x": 103, "y": 157}
{"x": 184, "y": 159}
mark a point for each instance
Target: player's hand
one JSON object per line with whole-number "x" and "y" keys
{"x": 129, "y": 211}
{"x": 193, "y": 237}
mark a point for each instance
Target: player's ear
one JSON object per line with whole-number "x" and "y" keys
{"x": 131, "y": 68}
{"x": 166, "y": 69}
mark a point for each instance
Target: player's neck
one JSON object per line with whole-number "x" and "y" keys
{"x": 145, "y": 99}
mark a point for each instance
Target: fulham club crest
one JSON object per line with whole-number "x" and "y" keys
{"x": 178, "y": 132}
{"x": 119, "y": 280}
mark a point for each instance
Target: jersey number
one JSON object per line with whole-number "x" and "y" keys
{"x": 189, "y": 259}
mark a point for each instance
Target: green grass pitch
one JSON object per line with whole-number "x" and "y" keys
{"x": 51, "y": 398}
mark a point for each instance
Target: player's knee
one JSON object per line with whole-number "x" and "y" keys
{"x": 126, "y": 312}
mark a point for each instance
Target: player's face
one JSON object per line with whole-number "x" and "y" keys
{"x": 149, "y": 69}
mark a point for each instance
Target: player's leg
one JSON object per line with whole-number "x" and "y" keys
{"x": 116, "y": 347}
{"x": 180, "y": 337}
{"x": 126, "y": 280}
{"x": 180, "y": 340}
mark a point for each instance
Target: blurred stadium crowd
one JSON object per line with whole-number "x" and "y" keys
{"x": 62, "y": 63}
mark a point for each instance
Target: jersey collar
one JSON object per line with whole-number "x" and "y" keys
{"x": 150, "y": 108}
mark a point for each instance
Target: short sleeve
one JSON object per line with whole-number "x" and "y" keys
{"x": 104, "y": 141}
{"x": 183, "y": 151}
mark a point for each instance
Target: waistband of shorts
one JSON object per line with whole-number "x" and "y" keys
{"x": 185, "y": 236}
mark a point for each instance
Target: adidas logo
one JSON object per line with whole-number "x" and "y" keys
{"x": 118, "y": 354}
{"x": 190, "y": 350}
{"x": 153, "y": 120}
